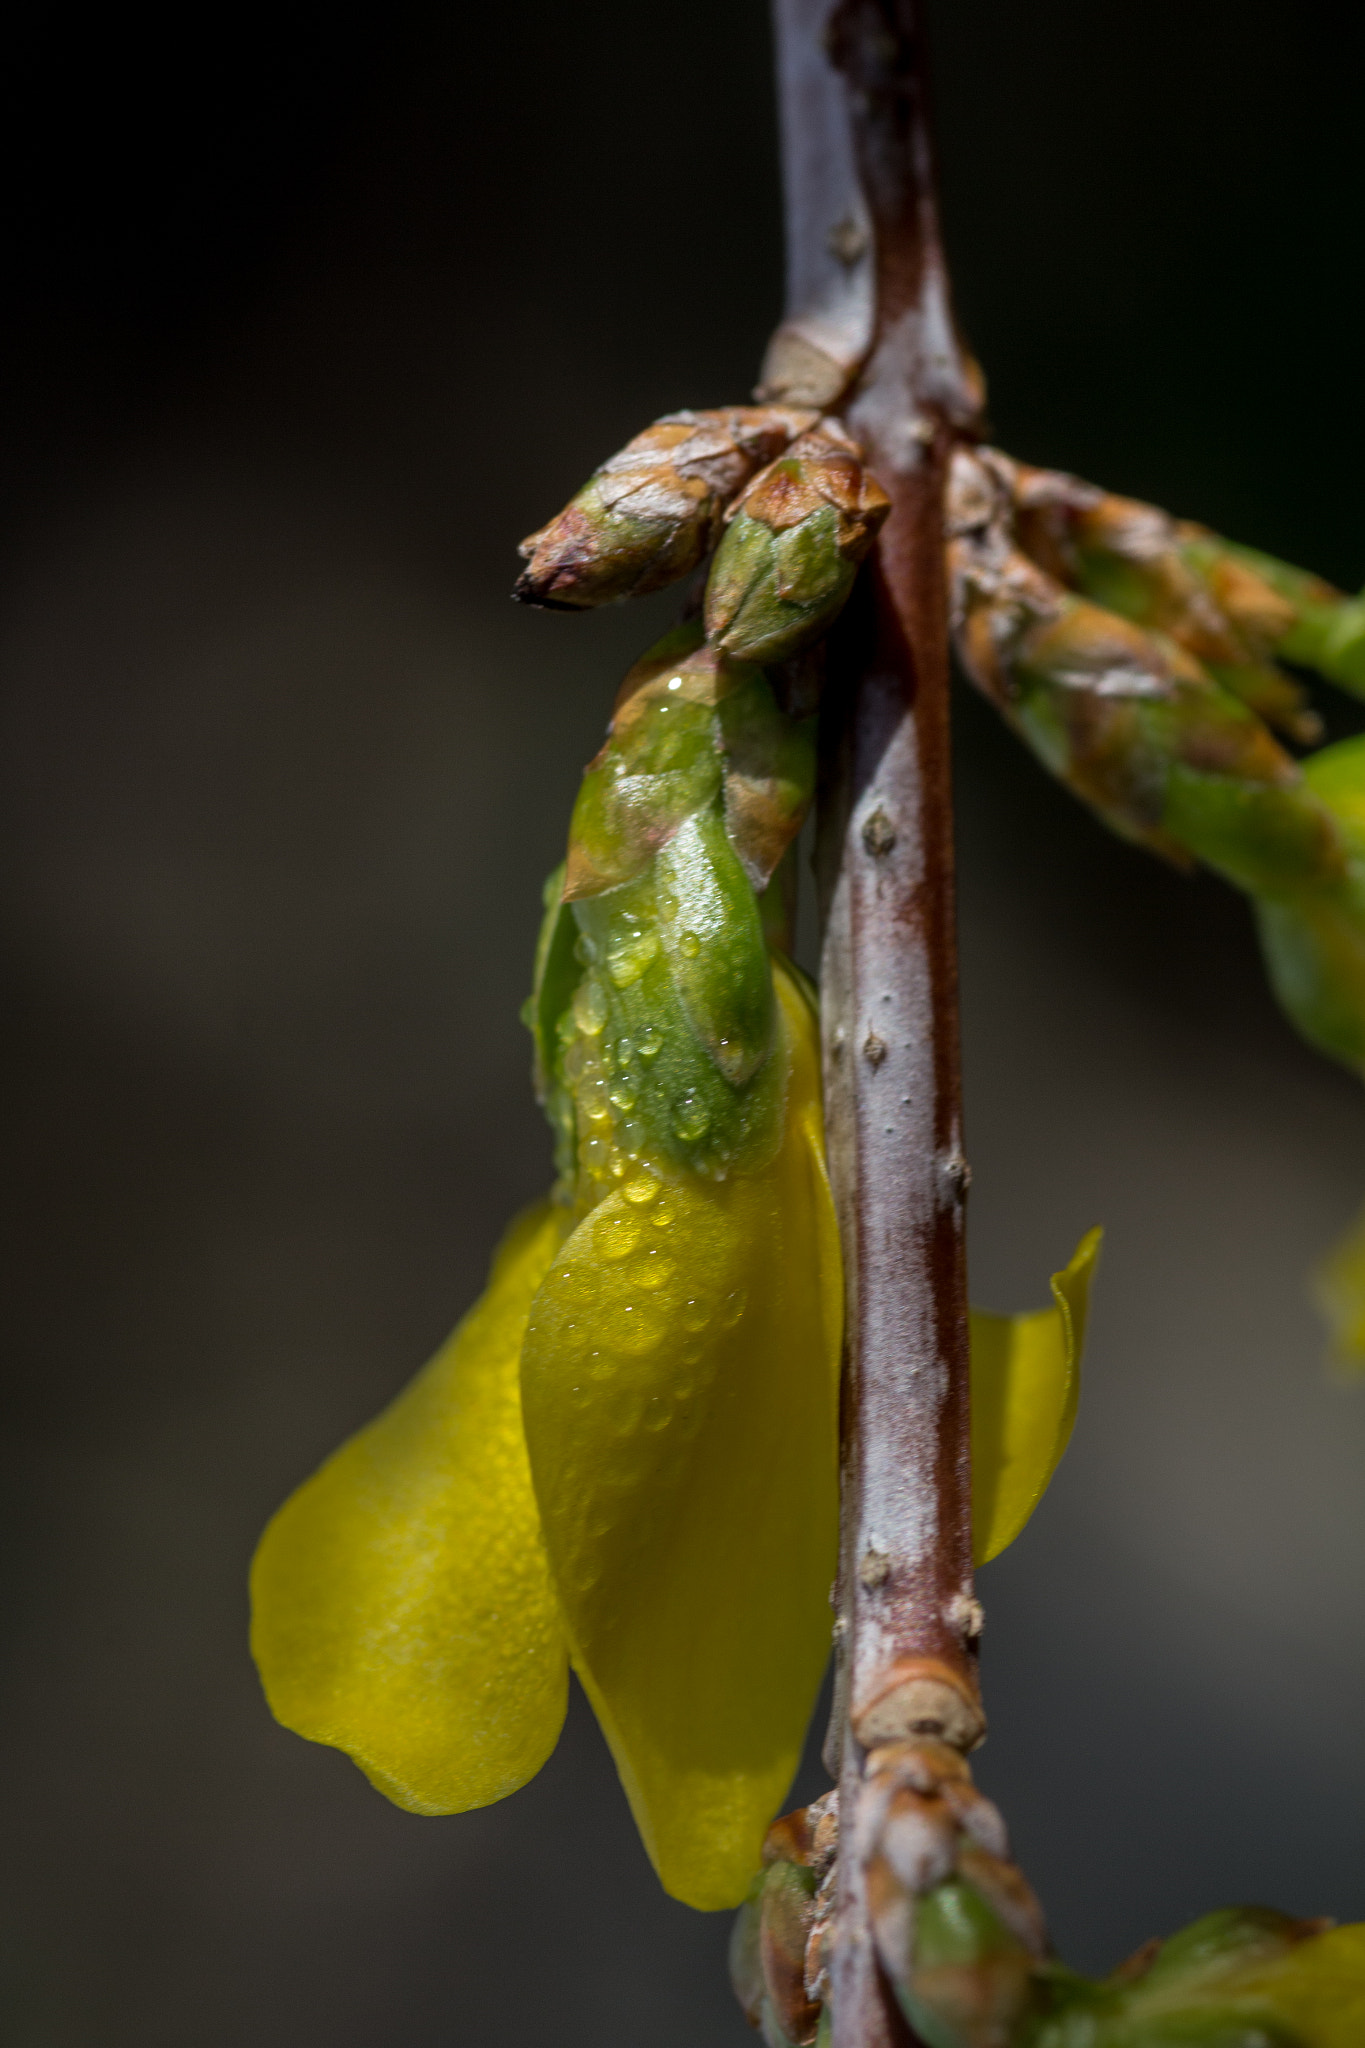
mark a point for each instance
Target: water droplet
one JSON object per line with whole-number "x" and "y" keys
{"x": 595, "y": 1154}
{"x": 657, "y": 1419}
{"x": 696, "y": 1314}
{"x": 653, "y": 1269}
{"x": 622, "y": 1096}
{"x": 690, "y": 1122}
{"x": 634, "y": 1137}
{"x": 590, "y": 1007}
{"x": 628, "y": 961}
{"x": 616, "y": 1236}
{"x": 663, "y": 1216}
{"x": 636, "y": 1327}
{"x": 642, "y": 1189}
{"x": 668, "y": 903}
{"x": 689, "y": 945}
{"x": 735, "y": 1305}
{"x": 650, "y": 1042}
{"x": 625, "y": 1051}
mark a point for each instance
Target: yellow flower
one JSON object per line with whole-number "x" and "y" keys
{"x": 624, "y": 1457}
{"x": 416, "y": 1600}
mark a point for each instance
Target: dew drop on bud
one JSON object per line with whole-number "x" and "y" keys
{"x": 590, "y": 1007}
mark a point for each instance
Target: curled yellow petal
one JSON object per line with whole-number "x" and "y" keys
{"x": 401, "y": 1602}
{"x": 1026, "y": 1383}
{"x": 680, "y": 1387}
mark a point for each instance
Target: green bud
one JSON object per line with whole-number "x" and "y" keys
{"x": 652, "y": 512}
{"x": 745, "y": 1955}
{"x": 1235, "y": 1979}
{"x": 1166, "y": 756}
{"x": 651, "y": 1019}
{"x": 1303, "y": 618}
{"x": 1313, "y": 937}
{"x": 1127, "y": 718}
{"x": 971, "y": 1979}
{"x": 689, "y": 721}
{"x": 770, "y": 767}
{"x": 1135, "y": 559}
{"x": 712, "y": 937}
{"x": 790, "y": 554}
{"x": 653, "y": 1013}
{"x": 1133, "y": 724}
{"x": 557, "y": 973}
{"x": 785, "y": 1924}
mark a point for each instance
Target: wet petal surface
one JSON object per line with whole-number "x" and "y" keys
{"x": 402, "y": 1604}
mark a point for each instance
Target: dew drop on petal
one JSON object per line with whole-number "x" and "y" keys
{"x": 733, "y": 1308}
{"x": 616, "y": 1237}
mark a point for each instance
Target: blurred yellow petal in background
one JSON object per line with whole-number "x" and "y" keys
{"x": 1338, "y": 1290}
{"x": 1026, "y": 1384}
{"x": 402, "y": 1605}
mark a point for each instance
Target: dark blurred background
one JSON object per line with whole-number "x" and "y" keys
{"x": 309, "y": 315}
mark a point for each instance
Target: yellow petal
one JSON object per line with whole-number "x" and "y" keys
{"x": 402, "y": 1605}
{"x": 1026, "y": 1382}
{"x": 680, "y": 1383}
{"x": 1338, "y": 1287}
{"x": 1317, "y": 1990}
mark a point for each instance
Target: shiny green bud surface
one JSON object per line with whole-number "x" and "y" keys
{"x": 1313, "y": 936}
{"x": 791, "y": 551}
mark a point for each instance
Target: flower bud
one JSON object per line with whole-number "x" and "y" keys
{"x": 957, "y": 1929}
{"x": 791, "y": 550}
{"x": 1136, "y": 560}
{"x": 652, "y": 512}
{"x": 1129, "y": 720}
{"x": 690, "y": 723}
{"x": 1313, "y": 935}
{"x": 1305, "y": 618}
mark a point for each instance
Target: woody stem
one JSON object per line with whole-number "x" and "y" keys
{"x": 852, "y": 84}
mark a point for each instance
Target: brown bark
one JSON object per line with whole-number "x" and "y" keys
{"x": 907, "y": 1619}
